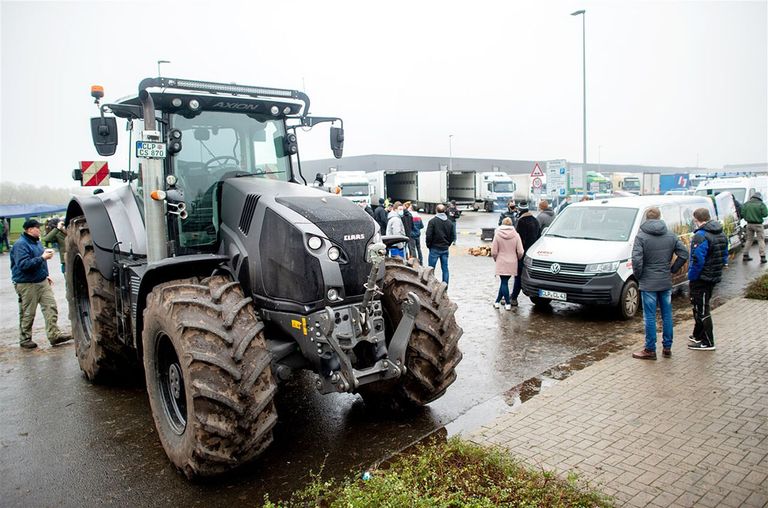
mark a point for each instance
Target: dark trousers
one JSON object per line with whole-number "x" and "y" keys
{"x": 503, "y": 289}
{"x": 701, "y": 295}
{"x": 518, "y": 285}
{"x": 414, "y": 245}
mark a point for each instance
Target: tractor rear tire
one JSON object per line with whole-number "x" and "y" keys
{"x": 433, "y": 351}
{"x": 208, "y": 375}
{"x": 91, "y": 302}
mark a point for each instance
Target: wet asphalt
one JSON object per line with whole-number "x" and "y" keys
{"x": 66, "y": 442}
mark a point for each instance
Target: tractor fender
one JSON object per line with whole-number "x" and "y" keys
{"x": 112, "y": 217}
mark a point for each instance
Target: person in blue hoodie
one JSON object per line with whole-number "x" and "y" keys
{"x": 709, "y": 254}
{"x": 29, "y": 272}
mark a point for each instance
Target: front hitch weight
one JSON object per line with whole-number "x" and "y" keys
{"x": 399, "y": 343}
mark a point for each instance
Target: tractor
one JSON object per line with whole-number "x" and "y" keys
{"x": 221, "y": 274}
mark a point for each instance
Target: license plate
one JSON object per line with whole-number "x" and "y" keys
{"x": 150, "y": 150}
{"x": 554, "y": 295}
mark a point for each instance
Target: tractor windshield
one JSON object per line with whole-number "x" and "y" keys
{"x": 217, "y": 145}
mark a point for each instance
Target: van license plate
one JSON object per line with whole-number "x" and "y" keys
{"x": 554, "y": 295}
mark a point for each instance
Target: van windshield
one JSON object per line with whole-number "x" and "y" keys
{"x": 738, "y": 193}
{"x": 606, "y": 223}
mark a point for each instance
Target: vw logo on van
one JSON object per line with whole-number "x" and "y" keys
{"x": 555, "y": 268}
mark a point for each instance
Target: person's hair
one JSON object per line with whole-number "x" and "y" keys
{"x": 440, "y": 208}
{"x": 543, "y": 204}
{"x": 511, "y": 202}
{"x": 407, "y": 204}
{"x": 506, "y": 222}
{"x": 397, "y": 205}
{"x": 585, "y": 198}
{"x": 653, "y": 213}
{"x": 701, "y": 215}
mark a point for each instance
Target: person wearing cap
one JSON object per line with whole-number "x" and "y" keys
{"x": 29, "y": 272}
{"x": 529, "y": 230}
{"x": 754, "y": 211}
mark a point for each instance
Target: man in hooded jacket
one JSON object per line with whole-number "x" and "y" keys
{"x": 380, "y": 214}
{"x": 652, "y": 254}
{"x": 440, "y": 235}
{"x": 709, "y": 254}
{"x": 529, "y": 230}
{"x": 754, "y": 211}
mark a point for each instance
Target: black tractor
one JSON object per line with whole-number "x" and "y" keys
{"x": 221, "y": 273}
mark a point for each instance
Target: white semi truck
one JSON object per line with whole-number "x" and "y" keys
{"x": 427, "y": 189}
{"x": 352, "y": 185}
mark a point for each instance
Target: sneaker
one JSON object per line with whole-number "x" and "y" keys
{"x": 507, "y": 306}
{"x": 61, "y": 339}
{"x": 27, "y": 344}
{"x": 747, "y": 258}
{"x": 513, "y": 303}
{"x": 763, "y": 260}
{"x": 645, "y": 355}
{"x": 666, "y": 353}
{"x": 693, "y": 339}
{"x": 701, "y": 347}
{"x": 496, "y": 305}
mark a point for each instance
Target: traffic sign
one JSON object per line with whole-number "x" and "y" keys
{"x": 94, "y": 173}
{"x": 536, "y": 171}
{"x": 537, "y": 183}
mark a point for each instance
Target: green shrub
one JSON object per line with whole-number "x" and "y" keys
{"x": 758, "y": 288}
{"x": 449, "y": 474}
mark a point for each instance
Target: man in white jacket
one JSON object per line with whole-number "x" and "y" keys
{"x": 395, "y": 227}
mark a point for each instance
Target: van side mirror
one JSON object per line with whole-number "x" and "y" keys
{"x": 337, "y": 141}
{"x": 104, "y": 133}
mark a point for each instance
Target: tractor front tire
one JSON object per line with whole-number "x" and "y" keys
{"x": 433, "y": 351}
{"x": 92, "y": 312}
{"x": 208, "y": 375}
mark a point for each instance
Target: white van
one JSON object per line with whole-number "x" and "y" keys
{"x": 742, "y": 188}
{"x": 585, "y": 256}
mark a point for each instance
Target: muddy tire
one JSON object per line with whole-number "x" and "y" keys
{"x": 629, "y": 300}
{"x": 433, "y": 351}
{"x": 92, "y": 313}
{"x": 208, "y": 375}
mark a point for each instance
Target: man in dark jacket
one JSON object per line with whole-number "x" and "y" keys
{"x": 29, "y": 272}
{"x": 440, "y": 235}
{"x": 754, "y": 211}
{"x": 529, "y": 230}
{"x": 709, "y": 254}
{"x": 380, "y": 214}
{"x": 453, "y": 213}
{"x": 652, "y": 254}
{"x": 511, "y": 212}
{"x": 408, "y": 226}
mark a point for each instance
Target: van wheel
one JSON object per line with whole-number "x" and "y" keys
{"x": 540, "y": 302}
{"x": 629, "y": 301}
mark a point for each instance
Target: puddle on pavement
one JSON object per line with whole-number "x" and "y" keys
{"x": 512, "y": 399}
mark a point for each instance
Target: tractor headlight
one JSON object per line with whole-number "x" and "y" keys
{"x": 334, "y": 254}
{"x": 315, "y": 242}
{"x": 333, "y": 295}
{"x": 602, "y": 267}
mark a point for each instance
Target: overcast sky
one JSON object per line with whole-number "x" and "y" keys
{"x": 667, "y": 82}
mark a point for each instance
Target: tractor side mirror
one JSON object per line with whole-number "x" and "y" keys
{"x": 104, "y": 133}
{"x": 337, "y": 141}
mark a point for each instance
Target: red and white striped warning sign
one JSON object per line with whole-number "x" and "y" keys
{"x": 94, "y": 173}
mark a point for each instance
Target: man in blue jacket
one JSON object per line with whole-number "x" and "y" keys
{"x": 29, "y": 271}
{"x": 709, "y": 254}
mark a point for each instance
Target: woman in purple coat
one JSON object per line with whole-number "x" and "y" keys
{"x": 506, "y": 249}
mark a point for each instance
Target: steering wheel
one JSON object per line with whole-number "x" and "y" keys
{"x": 220, "y": 159}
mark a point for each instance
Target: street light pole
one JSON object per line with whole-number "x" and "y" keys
{"x": 583, "y": 15}
{"x": 450, "y": 152}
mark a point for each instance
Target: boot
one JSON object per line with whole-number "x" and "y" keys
{"x": 747, "y": 258}
{"x": 762, "y": 260}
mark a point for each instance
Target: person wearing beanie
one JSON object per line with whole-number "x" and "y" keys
{"x": 754, "y": 211}
{"x": 529, "y": 230}
{"x": 29, "y": 272}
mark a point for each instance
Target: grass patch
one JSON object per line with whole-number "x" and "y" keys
{"x": 455, "y": 473}
{"x": 758, "y": 288}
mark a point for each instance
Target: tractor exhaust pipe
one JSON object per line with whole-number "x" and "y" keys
{"x": 152, "y": 178}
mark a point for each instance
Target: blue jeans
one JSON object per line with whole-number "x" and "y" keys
{"x": 442, "y": 255}
{"x": 664, "y": 301}
{"x": 503, "y": 289}
{"x": 394, "y": 252}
